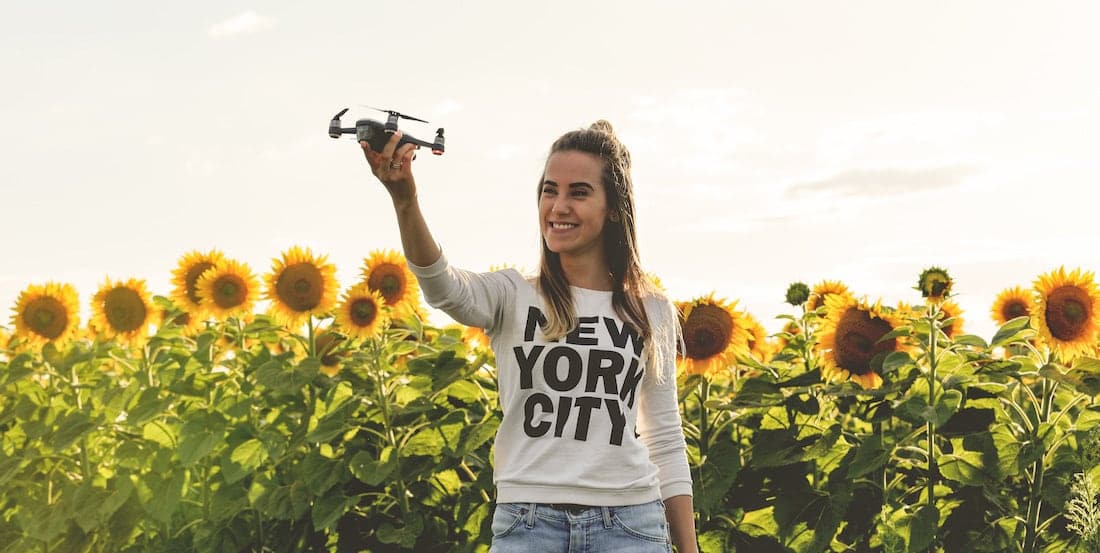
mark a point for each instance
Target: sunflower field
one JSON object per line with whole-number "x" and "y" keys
{"x": 240, "y": 413}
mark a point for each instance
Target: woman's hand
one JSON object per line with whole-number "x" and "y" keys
{"x": 393, "y": 167}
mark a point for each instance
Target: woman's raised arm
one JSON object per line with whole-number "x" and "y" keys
{"x": 393, "y": 167}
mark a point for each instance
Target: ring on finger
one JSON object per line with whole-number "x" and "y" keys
{"x": 396, "y": 164}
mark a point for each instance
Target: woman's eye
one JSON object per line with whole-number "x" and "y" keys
{"x": 580, "y": 192}
{"x": 548, "y": 190}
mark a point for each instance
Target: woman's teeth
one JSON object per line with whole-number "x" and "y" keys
{"x": 562, "y": 226}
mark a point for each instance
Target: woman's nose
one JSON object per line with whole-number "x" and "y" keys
{"x": 561, "y": 204}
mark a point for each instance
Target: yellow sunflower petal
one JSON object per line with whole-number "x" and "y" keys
{"x": 300, "y": 286}
{"x": 1067, "y": 312}
{"x": 47, "y": 313}
{"x": 951, "y": 310}
{"x": 229, "y": 289}
{"x": 757, "y": 338}
{"x": 123, "y": 311}
{"x": 362, "y": 313}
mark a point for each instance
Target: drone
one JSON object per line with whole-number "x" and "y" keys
{"x": 377, "y": 133}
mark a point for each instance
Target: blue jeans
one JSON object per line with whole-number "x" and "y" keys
{"x": 539, "y": 528}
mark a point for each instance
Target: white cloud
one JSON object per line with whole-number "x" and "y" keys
{"x": 242, "y": 24}
{"x": 883, "y": 182}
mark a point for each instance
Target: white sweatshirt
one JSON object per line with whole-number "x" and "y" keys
{"x": 570, "y": 407}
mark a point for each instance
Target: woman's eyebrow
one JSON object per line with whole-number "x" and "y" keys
{"x": 571, "y": 185}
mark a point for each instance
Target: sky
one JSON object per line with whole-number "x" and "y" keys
{"x": 773, "y": 142}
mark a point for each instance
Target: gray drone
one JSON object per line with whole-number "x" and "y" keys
{"x": 377, "y": 133}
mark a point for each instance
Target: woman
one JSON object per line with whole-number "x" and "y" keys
{"x": 585, "y": 357}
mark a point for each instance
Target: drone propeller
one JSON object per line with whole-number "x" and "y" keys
{"x": 396, "y": 113}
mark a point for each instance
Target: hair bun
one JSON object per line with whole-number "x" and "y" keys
{"x": 602, "y": 125}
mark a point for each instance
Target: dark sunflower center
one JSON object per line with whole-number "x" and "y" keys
{"x": 192, "y": 279}
{"x": 300, "y": 286}
{"x": 124, "y": 309}
{"x": 1013, "y": 309}
{"x": 363, "y": 312}
{"x": 707, "y": 331}
{"x": 229, "y": 291}
{"x": 856, "y": 336}
{"x": 46, "y": 317}
{"x": 1068, "y": 313}
{"x": 936, "y": 287}
{"x": 389, "y": 281}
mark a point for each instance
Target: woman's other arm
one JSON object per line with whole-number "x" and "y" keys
{"x": 680, "y": 512}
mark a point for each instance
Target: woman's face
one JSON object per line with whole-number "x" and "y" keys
{"x": 573, "y": 204}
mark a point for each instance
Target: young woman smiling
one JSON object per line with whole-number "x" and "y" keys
{"x": 590, "y": 455}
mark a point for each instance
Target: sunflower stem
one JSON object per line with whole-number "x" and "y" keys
{"x": 312, "y": 341}
{"x": 85, "y": 467}
{"x": 383, "y": 403}
{"x": 1031, "y": 537}
{"x": 933, "y": 330}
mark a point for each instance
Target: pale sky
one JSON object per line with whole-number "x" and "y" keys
{"x": 773, "y": 141}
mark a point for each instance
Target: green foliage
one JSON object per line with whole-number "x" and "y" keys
{"x": 230, "y": 441}
{"x": 236, "y": 440}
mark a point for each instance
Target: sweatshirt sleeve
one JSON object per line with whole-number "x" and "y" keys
{"x": 659, "y": 424}
{"x": 473, "y": 299}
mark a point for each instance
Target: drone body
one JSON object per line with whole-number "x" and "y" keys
{"x": 377, "y": 133}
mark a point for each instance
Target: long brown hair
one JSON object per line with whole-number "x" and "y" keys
{"x": 631, "y": 286}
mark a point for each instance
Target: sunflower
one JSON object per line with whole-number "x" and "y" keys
{"x": 229, "y": 289}
{"x": 951, "y": 310}
{"x": 475, "y": 337}
{"x": 850, "y": 339}
{"x": 123, "y": 310}
{"x": 714, "y": 334}
{"x": 757, "y": 338}
{"x": 793, "y": 329}
{"x": 1067, "y": 312}
{"x": 1011, "y": 303}
{"x": 185, "y": 278}
{"x": 299, "y": 286}
{"x": 935, "y": 284}
{"x": 797, "y": 293}
{"x": 5, "y": 338}
{"x": 823, "y": 290}
{"x": 362, "y": 313}
{"x": 327, "y": 342}
{"x": 387, "y": 272}
{"x": 47, "y": 313}
{"x": 656, "y": 281}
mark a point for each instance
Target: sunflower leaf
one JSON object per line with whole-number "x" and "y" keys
{"x": 870, "y": 456}
{"x": 971, "y": 340}
{"x": 965, "y": 467}
{"x": 895, "y": 362}
{"x": 372, "y": 471}
{"x": 922, "y": 527}
{"x": 1012, "y": 331}
{"x": 896, "y": 333}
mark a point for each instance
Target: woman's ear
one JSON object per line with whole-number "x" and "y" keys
{"x": 614, "y": 217}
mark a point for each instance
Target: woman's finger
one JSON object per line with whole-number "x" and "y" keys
{"x": 371, "y": 155}
{"x": 391, "y": 146}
